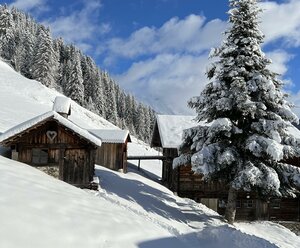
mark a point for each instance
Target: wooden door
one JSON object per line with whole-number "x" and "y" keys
{"x": 75, "y": 168}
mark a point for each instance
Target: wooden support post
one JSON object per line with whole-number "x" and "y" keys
{"x": 139, "y": 164}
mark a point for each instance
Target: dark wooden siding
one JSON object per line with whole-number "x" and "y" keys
{"x": 77, "y": 167}
{"x": 287, "y": 209}
{"x": 169, "y": 177}
{"x": 71, "y": 154}
{"x": 112, "y": 156}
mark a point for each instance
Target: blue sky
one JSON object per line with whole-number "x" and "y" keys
{"x": 158, "y": 49}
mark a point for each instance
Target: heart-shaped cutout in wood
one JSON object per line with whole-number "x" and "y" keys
{"x": 51, "y": 135}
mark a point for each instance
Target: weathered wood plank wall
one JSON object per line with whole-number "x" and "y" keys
{"x": 73, "y": 155}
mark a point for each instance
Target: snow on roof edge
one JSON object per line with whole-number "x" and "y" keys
{"x": 43, "y": 117}
{"x": 166, "y": 132}
{"x": 106, "y": 136}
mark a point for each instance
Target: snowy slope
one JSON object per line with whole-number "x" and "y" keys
{"x": 22, "y": 99}
{"x": 38, "y": 211}
{"x": 129, "y": 210}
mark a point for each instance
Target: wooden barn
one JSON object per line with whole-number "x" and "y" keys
{"x": 167, "y": 134}
{"x": 113, "y": 151}
{"x": 55, "y": 145}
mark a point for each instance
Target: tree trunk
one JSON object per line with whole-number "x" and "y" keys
{"x": 231, "y": 205}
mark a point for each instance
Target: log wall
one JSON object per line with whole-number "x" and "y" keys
{"x": 284, "y": 209}
{"x": 112, "y": 156}
{"x": 72, "y": 155}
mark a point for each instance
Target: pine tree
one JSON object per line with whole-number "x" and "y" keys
{"x": 129, "y": 113}
{"x": 110, "y": 95}
{"x": 140, "y": 121}
{"x": 26, "y": 54}
{"x": 98, "y": 95}
{"x": 74, "y": 83}
{"x": 45, "y": 65}
{"x": 248, "y": 139}
{"x": 90, "y": 77}
{"x": 147, "y": 122}
{"x": 7, "y": 26}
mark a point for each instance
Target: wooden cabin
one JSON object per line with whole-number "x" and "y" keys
{"x": 55, "y": 145}
{"x": 113, "y": 152}
{"x": 167, "y": 134}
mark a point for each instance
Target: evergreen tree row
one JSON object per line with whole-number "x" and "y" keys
{"x": 30, "y": 49}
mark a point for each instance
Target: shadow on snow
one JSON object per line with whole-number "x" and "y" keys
{"x": 211, "y": 237}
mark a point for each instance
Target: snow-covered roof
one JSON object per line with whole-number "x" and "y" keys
{"x": 62, "y": 105}
{"x": 47, "y": 116}
{"x": 171, "y": 127}
{"x": 111, "y": 135}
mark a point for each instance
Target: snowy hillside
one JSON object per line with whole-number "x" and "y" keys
{"x": 22, "y": 99}
{"x": 129, "y": 210}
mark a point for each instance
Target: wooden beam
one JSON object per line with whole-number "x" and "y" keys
{"x": 146, "y": 158}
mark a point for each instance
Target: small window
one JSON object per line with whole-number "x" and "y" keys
{"x": 39, "y": 156}
{"x": 275, "y": 204}
{"x": 222, "y": 203}
{"x": 238, "y": 204}
{"x": 248, "y": 204}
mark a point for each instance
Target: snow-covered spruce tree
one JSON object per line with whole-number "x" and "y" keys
{"x": 247, "y": 144}
{"x": 26, "y": 54}
{"x": 44, "y": 64}
{"x": 74, "y": 85}
{"x": 7, "y": 44}
{"x": 110, "y": 94}
{"x": 98, "y": 96}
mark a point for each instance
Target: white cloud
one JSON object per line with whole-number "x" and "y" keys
{"x": 176, "y": 54}
{"x": 191, "y": 34}
{"x": 28, "y": 5}
{"x": 175, "y": 68}
{"x": 279, "y": 59}
{"x": 167, "y": 81}
{"x": 281, "y": 21}
{"x": 295, "y": 99}
{"x": 80, "y": 27}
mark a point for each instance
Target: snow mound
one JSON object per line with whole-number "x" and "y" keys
{"x": 62, "y": 105}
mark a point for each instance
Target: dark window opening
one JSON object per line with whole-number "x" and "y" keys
{"x": 248, "y": 203}
{"x": 275, "y": 204}
{"x": 39, "y": 156}
{"x": 222, "y": 203}
{"x": 238, "y": 204}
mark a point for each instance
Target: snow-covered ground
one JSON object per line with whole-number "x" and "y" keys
{"x": 129, "y": 210}
{"x": 151, "y": 168}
